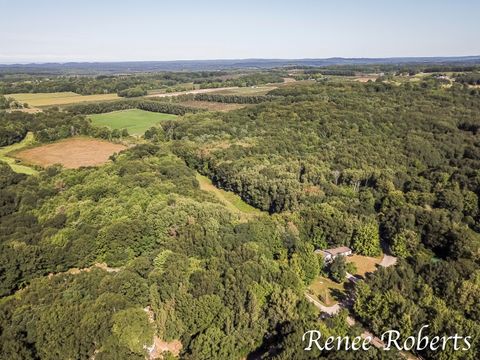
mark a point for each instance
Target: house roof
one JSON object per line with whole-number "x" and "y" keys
{"x": 339, "y": 250}
{"x": 322, "y": 252}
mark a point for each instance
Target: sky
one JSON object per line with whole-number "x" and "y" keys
{"x": 107, "y": 30}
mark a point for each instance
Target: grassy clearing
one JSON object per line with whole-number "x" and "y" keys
{"x": 231, "y": 200}
{"x": 59, "y": 98}
{"x": 364, "y": 264}
{"x": 134, "y": 120}
{"x": 326, "y": 290}
{"x": 11, "y": 161}
{"x": 329, "y": 292}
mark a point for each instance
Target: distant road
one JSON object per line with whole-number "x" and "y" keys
{"x": 198, "y": 91}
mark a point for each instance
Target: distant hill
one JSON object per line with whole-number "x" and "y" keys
{"x": 198, "y": 65}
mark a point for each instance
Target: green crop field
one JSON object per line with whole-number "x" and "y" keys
{"x": 59, "y": 98}
{"x": 134, "y": 120}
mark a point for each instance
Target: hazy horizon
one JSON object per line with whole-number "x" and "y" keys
{"x": 146, "y": 30}
{"x": 234, "y": 59}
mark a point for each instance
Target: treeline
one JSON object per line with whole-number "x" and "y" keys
{"x": 132, "y": 92}
{"x": 147, "y": 105}
{"x": 336, "y": 72}
{"x": 411, "y": 69}
{"x": 451, "y": 68}
{"x": 88, "y": 85}
{"x": 472, "y": 78}
{"x": 130, "y": 84}
{"x": 244, "y": 81}
{"x": 228, "y": 99}
{"x": 49, "y": 125}
{"x": 4, "y": 102}
{"x": 10, "y": 103}
{"x": 13, "y": 127}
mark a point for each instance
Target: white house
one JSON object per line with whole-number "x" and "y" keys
{"x": 330, "y": 254}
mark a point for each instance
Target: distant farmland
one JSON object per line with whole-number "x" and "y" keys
{"x": 134, "y": 120}
{"x": 254, "y": 90}
{"x": 59, "y": 98}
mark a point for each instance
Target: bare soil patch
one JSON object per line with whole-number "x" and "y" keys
{"x": 364, "y": 79}
{"x": 30, "y": 110}
{"x": 71, "y": 153}
{"x": 174, "y": 347}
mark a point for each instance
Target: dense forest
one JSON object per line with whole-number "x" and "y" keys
{"x": 97, "y": 262}
{"x": 227, "y": 99}
{"x": 472, "y": 78}
{"x": 217, "y": 284}
{"x": 352, "y": 163}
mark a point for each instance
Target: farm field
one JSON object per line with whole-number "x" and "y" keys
{"x": 134, "y": 120}
{"x": 255, "y": 90}
{"x": 187, "y": 92}
{"x": 364, "y": 79}
{"x": 59, "y": 98}
{"x": 72, "y": 153}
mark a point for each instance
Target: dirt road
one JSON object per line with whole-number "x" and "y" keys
{"x": 330, "y": 310}
{"x": 388, "y": 260}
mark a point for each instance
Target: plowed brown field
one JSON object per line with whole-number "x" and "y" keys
{"x": 71, "y": 153}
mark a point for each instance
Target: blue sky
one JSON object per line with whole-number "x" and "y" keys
{"x": 106, "y": 30}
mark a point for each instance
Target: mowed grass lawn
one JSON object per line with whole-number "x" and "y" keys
{"x": 326, "y": 290}
{"x": 59, "y": 98}
{"x": 134, "y": 120}
{"x": 364, "y": 264}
